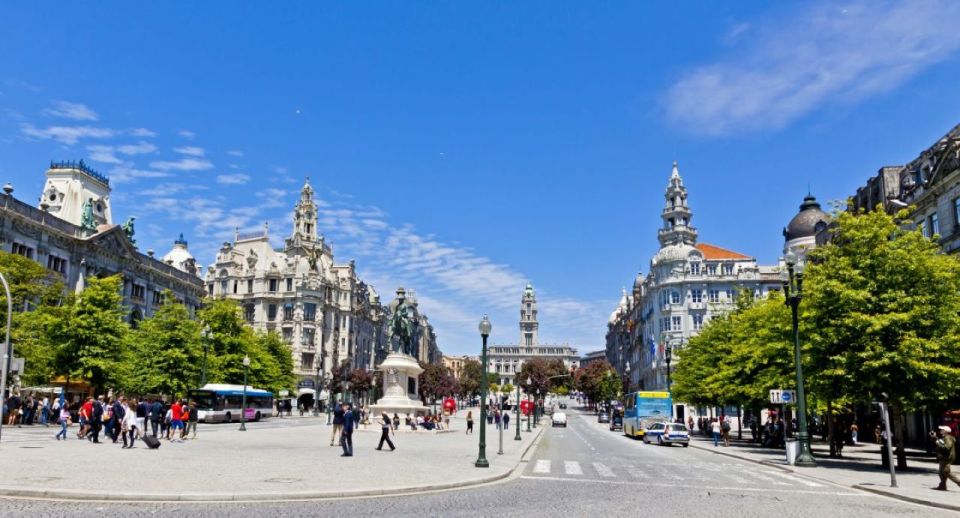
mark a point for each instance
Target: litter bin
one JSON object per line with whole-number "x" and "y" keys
{"x": 793, "y": 451}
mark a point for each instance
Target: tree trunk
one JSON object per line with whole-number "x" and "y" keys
{"x": 830, "y": 429}
{"x": 899, "y": 434}
{"x": 739, "y": 423}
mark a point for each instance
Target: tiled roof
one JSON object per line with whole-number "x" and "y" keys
{"x": 711, "y": 252}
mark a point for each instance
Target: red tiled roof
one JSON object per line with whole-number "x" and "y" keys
{"x": 715, "y": 252}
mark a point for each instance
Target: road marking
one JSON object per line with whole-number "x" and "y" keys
{"x": 795, "y": 479}
{"x": 699, "y": 487}
{"x": 763, "y": 478}
{"x": 637, "y": 473}
{"x": 543, "y": 466}
{"x": 603, "y": 470}
{"x": 572, "y": 467}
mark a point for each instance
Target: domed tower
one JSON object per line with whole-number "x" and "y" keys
{"x": 305, "y": 214}
{"x": 676, "y": 214}
{"x": 180, "y": 257}
{"x": 801, "y": 233}
{"x": 529, "y": 327}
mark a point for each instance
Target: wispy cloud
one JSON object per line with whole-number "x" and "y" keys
{"x": 235, "y": 152}
{"x": 68, "y": 110}
{"x": 142, "y": 132}
{"x": 800, "y": 61}
{"x": 190, "y": 150}
{"x": 233, "y": 179}
{"x": 272, "y": 198}
{"x": 108, "y": 154}
{"x": 140, "y": 148}
{"x": 69, "y": 135}
{"x": 103, "y": 154}
{"x": 187, "y": 134}
{"x": 128, "y": 173}
{"x": 184, "y": 164}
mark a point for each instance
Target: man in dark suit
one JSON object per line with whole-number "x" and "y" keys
{"x": 346, "y": 436}
{"x": 96, "y": 420}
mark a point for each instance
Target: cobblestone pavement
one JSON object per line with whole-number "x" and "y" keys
{"x": 582, "y": 470}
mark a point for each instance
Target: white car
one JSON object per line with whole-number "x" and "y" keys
{"x": 559, "y": 419}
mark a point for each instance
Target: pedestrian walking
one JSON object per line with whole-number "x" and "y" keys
{"x": 13, "y": 409}
{"x": 946, "y": 454}
{"x": 192, "y": 421}
{"x": 96, "y": 420}
{"x": 854, "y": 432}
{"x": 142, "y": 410}
{"x": 725, "y": 430}
{"x": 45, "y": 412}
{"x": 396, "y": 422}
{"x": 176, "y": 421}
{"x": 385, "y": 432}
{"x": 346, "y": 434}
{"x": 469, "y": 422}
{"x": 156, "y": 415}
{"x": 64, "y": 422}
{"x": 338, "y": 413}
{"x": 715, "y": 427}
{"x": 128, "y": 424}
{"x": 86, "y": 411}
{"x": 506, "y": 420}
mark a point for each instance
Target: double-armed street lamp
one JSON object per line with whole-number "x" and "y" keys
{"x": 206, "y": 334}
{"x": 485, "y": 328}
{"x": 243, "y": 405}
{"x": 793, "y": 292}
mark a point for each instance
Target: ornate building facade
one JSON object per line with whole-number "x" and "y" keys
{"x": 71, "y": 232}
{"x": 322, "y": 309}
{"x": 506, "y": 360}
{"x": 688, "y": 283}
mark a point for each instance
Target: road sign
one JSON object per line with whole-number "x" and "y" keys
{"x": 783, "y": 397}
{"x": 284, "y": 393}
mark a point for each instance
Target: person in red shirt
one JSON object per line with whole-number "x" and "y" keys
{"x": 176, "y": 420}
{"x": 86, "y": 410}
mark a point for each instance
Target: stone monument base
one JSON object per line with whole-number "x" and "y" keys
{"x": 400, "y": 394}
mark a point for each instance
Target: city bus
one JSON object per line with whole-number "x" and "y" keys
{"x": 220, "y": 403}
{"x": 641, "y": 409}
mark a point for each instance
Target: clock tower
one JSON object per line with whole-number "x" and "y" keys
{"x": 528, "y": 319}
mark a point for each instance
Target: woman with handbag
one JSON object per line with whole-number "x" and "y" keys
{"x": 64, "y": 422}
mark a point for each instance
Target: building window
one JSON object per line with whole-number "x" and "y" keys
{"x": 234, "y": 286}
{"x": 223, "y": 287}
{"x": 249, "y": 311}
{"x": 697, "y": 322}
{"x": 138, "y": 292}
{"x": 308, "y": 337}
{"x": 289, "y": 284}
{"x": 713, "y": 296}
{"x": 157, "y": 298}
{"x": 728, "y": 269}
{"x": 711, "y": 269}
{"x": 694, "y": 268}
{"x": 309, "y": 312}
{"x": 288, "y": 311}
{"x": 271, "y": 312}
{"x": 274, "y": 285}
{"x": 956, "y": 214}
{"x": 731, "y": 295}
{"x": 528, "y": 339}
{"x": 306, "y": 361}
{"x": 249, "y": 286}
{"x": 696, "y": 296}
{"x": 23, "y": 250}
{"x": 287, "y": 334}
{"x": 210, "y": 289}
{"x": 676, "y": 323}
{"x": 674, "y": 297}
{"x": 57, "y": 264}
{"x": 934, "y": 220}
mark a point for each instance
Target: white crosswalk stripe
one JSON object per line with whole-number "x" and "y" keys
{"x": 764, "y": 478}
{"x": 603, "y": 470}
{"x": 572, "y": 467}
{"x": 543, "y": 466}
{"x": 637, "y": 473}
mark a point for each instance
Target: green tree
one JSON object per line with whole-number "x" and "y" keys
{"x": 508, "y": 388}
{"x": 277, "y": 363}
{"x": 470, "y": 375}
{"x": 93, "y": 336}
{"x": 168, "y": 352}
{"x": 882, "y": 302}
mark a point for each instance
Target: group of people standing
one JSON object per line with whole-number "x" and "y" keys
{"x": 28, "y": 411}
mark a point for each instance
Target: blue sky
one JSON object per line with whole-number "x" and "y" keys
{"x": 463, "y": 149}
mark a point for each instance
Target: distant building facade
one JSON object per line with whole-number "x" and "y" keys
{"x": 688, "y": 283}
{"x": 592, "y": 357}
{"x": 71, "y": 232}
{"x": 506, "y": 360}
{"x": 455, "y": 363}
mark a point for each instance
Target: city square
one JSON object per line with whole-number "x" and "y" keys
{"x": 480, "y": 259}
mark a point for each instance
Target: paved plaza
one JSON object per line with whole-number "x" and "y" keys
{"x": 286, "y": 458}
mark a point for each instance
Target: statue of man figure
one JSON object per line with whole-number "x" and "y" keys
{"x": 401, "y": 324}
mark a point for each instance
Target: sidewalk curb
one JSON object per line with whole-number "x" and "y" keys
{"x": 868, "y": 489}
{"x": 27, "y": 493}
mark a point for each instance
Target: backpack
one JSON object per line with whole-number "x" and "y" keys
{"x": 725, "y": 426}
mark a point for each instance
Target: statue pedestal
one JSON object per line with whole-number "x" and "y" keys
{"x": 400, "y": 394}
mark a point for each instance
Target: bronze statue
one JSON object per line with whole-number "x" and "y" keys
{"x": 401, "y": 324}
{"x": 128, "y": 230}
{"x": 87, "y": 223}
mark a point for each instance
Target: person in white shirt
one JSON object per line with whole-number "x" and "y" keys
{"x": 129, "y": 424}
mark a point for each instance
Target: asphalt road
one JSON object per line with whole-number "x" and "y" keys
{"x": 583, "y": 470}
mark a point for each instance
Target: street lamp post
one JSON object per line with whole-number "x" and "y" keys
{"x": 793, "y": 291}
{"x": 206, "y": 335}
{"x": 669, "y": 358}
{"x": 529, "y": 410}
{"x": 328, "y": 383}
{"x": 517, "y": 437}
{"x": 536, "y": 407}
{"x": 485, "y": 328}
{"x": 243, "y": 406}
{"x": 316, "y": 390}
{"x": 7, "y": 352}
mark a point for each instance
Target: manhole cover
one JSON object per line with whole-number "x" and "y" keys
{"x": 283, "y": 480}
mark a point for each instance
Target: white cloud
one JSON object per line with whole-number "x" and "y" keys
{"x": 142, "y": 132}
{"x": 139, "y": 148}
{"x": 187, "y": 134}
{"x": 66, "y": 134}
{"x": 190, "y": 150}
{"x": 68, "y": 110}
{"x": 800, "y": 61}
{"x": 128, "y": 173}
{"x": 166, "y": 189}
{"x": 184, "y": 164}
{"x": 233, "y": 179}
{"x": 235, "y": 152}
{"x": 272, "y": 198}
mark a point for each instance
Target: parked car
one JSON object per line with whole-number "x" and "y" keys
{"x": 667, "y": 433}
{"x": 616, "y": 421}
{"x": 559, "y": 419}
{"x": 603, "y": 417}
